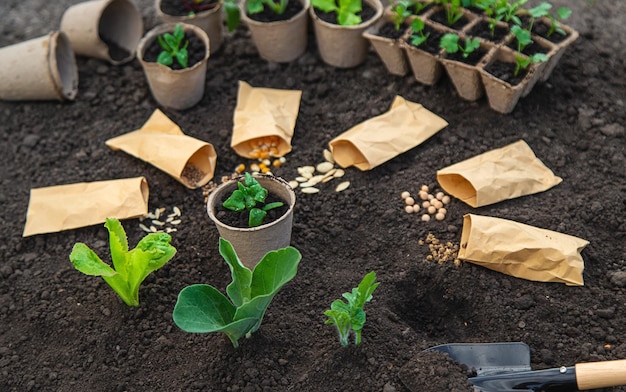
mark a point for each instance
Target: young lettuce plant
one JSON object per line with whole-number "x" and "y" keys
{"x": 418, "y": 36}
{"x": 201, "y": 308}
{"x": 256, "y": 6}
{"x": 450, "y": 42}
{"x": 401, "y": 11}
{"x": 171, "y": 45}
{"x": 350, "y": 316}
{"x": 347, "y": 10}
{"x": 247, "y": 196}
{"x": 130, "y": 268}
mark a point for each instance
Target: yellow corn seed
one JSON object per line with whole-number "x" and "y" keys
{"x": 240, "y": 168}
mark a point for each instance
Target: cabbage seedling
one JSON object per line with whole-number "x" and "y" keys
{"x": 201, "y": 308}
{"x": 171, "y": 45}
{"x": 347, "y": 10}
{"x": 351, "y": 316}
{"x": 131, "y": 267}
{"x": 247, "y": 196}
{"x": 450, "y": 42}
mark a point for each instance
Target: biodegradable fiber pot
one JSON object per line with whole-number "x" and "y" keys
{"x": 104, "y": 29}
{"x": 466, "y": 77}
{"x": 175, "y": 89}
{"x": 251, "y": 244}
{"x": 281, "y": 41}
{"x": 389, "y": 50}
{"x": 210, "y": 21}
{"x": 42, "y": 68}
{"x": 344, "y": 46}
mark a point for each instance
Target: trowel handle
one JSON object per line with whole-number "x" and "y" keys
{"x": 593, "y": 375}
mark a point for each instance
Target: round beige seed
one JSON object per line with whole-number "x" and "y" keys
{"x": 423, "y": 195}
{"x": 405, "y": 194}
{"x": 432, "y": 210}
{"x": 442, "y": 211}
{"x": 438, "y": 204}
{"x": 425, "y": 188}
{"x": 440, "y": 216}
{"x": 425, "y": 217}
{"x": 439, "y": 195}
{"x": 426, "y": 204}
{"x": 408, "y": 209}
{"x": 416, "y": 208}
{"x": 409, "y": 201}
{"x": 445, "y": 199}
{"x": 430, "y": 196}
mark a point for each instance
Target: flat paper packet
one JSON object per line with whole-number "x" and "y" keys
{"x": 264, "y": 121}
{"x": 375, "y": 141}
{"x": 521, "y": 250}
{"x": 496, "y": 175}
{"x": 162, "y": 143}
{"x": 64, "y": 207}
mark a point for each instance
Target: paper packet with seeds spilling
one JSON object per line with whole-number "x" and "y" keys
{"x": 162, "y": 143}
{"x": 264, "y": 121}
{"x": 64, "y": 207}
{"x": 521, "y": 250}
{"x": 497, "y": 175}
{"x": 381, "y": 138}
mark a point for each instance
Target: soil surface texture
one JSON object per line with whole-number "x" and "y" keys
{"x": 61, "y": 330}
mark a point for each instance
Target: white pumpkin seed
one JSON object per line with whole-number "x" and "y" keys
{"x": 339, "y": 173}
{"x": 307, "y": 184}
{"x": 294, "y": 184}
{"x": 343, "y": 186}
{"x": 302, "y": 179}
{"x": 157, "y": 222}
{"x": 176, "y": 211}
{"x": 153, "y": 229}
{"x": 316, "y": 179}
{"x": 144, "y": 228}
{"x": 329, "y": 156}
{"x": 306, "y": 170}
{"x": 175, "y": 222}
{"x": 169, "y": 219}
{"x": 324, "y": 167}
{"x": 310, "y": 190}
{"x": 170, "y": 230}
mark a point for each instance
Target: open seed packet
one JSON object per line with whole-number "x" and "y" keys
{"x": 264, "y": 121}
{"x": 496, "y": 175}
{"x": 162, "y": 143}
{"x": 64, "y": 207}
{"x": 521, "y": 250}
{"x": 381, "y": 138}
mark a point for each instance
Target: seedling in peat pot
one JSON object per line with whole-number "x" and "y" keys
{"x": 450, "y": 42}
{"x": 256, "y": 6}
{"x": 543, "y": 9}
{"x": 347, "y": 10}
{"x": 400, "y": 13}
{"x": 247, "y": 196}
{"x": 171, "y": 45}
{"x": 131, "y": 267}
{"x": 195, "y": 6}
{"x": 522, "y": 37}
{"x": 418, "y": 37}
{"x": 453, "y": 9}
{"x": 350, "y": 316}
{"x": 201, "y": 308}
{"x": 522, "y": 62}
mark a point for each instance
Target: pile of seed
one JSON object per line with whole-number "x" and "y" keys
{"x": 160, "y": 222}
{"x": 439, "y": 252}
{"x": 432, "y": 204}
{"x": 310, "y": 177}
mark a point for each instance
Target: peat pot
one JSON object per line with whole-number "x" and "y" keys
{"x": 252, "y": 243}
{"x": 344, "y": 46}
{"x": 389, "y": 50}
{"x": 280, "y": 41}
{"x": 104, "y": 29}
{"x": 175, "y": 88}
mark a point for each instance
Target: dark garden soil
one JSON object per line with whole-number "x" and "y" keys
{"x": 61, "y": 330}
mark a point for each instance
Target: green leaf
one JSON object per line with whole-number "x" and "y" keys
{"x": 165, "y": 58}
{"x": 254, "y": 6}
{"x": 274, "y": 270}
{"x": 233, "y": 16}
{"x": 172, "y": 42}
{"x": 255, "y": 217}
{"x": 182, "y": 57}
{"x": 87, "y": 261}
{"x": 239, "y": 289}
{"x": 118, "y": 244}
{"x": 163, "y": 44}
{"x": 235, "y": 201}
{"x": 271, "y": 206}
{"x": 179, "y": 34}
{"x": 542, "y": 9}
{"x": 564, "y": 13}
{"x": 325, "y": 5}
{"x": 449, "y": 42}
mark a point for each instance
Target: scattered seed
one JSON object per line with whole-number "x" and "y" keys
{"x": 329, "y": 156}
{"x": 438, "y": 204}
{"x": 293, "y": 184}
{"x": 307, "y": 184}
{"x": 306, "y": 169}
{"x": 408, "y": 209}
{"x": 439, "y": 195}
{"x": 176, "y": 211}
{"x": 310, "y": 190}
{"x": 423, "y": 195}
{"x": 327, "y": 178}
{"x": 240, "y": 168}
{"x": 442, "y": 211}
{"x": 153, "y": 229}
{"x": 302, "y": 179}
{"x": 342, "y": 186}
{"x": 445, "y": 199}
{"x": 169, "y": 219}
{"x": 424, "y": 188}
{"x": 405, "y": 194}
{"x": 430, "y": 196}
{"x": 426, "y": 204}
{"x": 144, "y": 227}
{"x": 324, "y": 167}
{"x": 157, "y": 223}
{"x": 175, "y": 222}
{"x": 439, "y": 216}
{"x": 409, "y": 201}
{"x": 432, "y": 210}
{"x": 316, "y": 179}
{"x": 339, "y": 173}
{"x": 425, "y": 217}
{"x": 170, "y": 230}
{"x": 416, "y": 208}
{"x": 282, "y": 159}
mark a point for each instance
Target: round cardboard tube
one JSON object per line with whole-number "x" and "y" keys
{"x": 43, "y": 68}
{"x": 104, "y": 29}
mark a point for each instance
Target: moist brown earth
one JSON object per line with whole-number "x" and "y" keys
{"x": 61, "y": 330}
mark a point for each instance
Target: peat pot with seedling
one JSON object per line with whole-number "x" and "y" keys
{"x": 339, "y": 27}
{"x": 278, "y": 27}
{"x": 254, "y": 213}
{"x": 461, "y": 57}
{"x": 421, "y": 45}
{"x": 174, "y": 58}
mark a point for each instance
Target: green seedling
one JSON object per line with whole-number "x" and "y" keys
{"x": 256, "y": 6}
{"x": 454, "y": 11}
{"x": 248, "y": 195}
{"x": 201, "y": 308}
{"x": 347, "y": 10}
{"x": 507, "y": 11}
{"x": 418, "y": 37}
{"x": 450, "y": 42}
{"x": 350, "y": 316}
{"x": 419, "y": 6}
{"x": 233, "y": 15}
{"x": 401, "y": 11}
{"x": 543, "y": 10}
{"x": 522, "y": 62}
{"x": 171, "y": 45}
{"x": 522, "y": 37}
{"x": 130, "y": 268}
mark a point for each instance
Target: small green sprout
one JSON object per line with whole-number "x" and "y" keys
{"x": 171, "y": 45}
{"x": 450, "y": 42}
{"x": 247, "y": 196}
{"x": 543, "y": 9}
{"x": 233, "y": 16}
{"x": 418, "y": 37}
{"x": 351, "y": 316}
{"x": 522, "y": 62}
{"x": 454, "y": 11}
{"x": 522, "y": 36}
{"x": 256, "y": 6}
{"x": 347, "y": 10}
{"x": 400, "y": 13}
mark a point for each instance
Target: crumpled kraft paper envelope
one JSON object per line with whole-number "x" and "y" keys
{"x": 162, "y": 143}
{"x": 521, "y": 250}
{"x": 375, "y": 141}
{"x": 496, "y": 175}
{"x": 64, "y": 207}
{"x": 263, "y": 116}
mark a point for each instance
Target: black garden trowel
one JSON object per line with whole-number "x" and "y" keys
{"x": 505, "y": 367}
